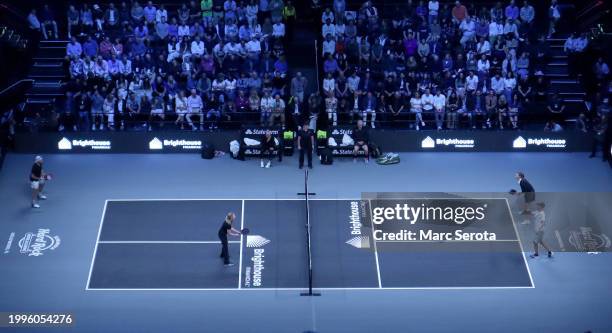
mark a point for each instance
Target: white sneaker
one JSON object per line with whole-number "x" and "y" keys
{"x": 193, "y": 128}
{"x": 268, "y": 165}
{"x": 61, "y": 128}
{"x": 262, "y": 164}
{"x": 417, "y": 127}
{"x": 42, "y": 197}
{"x": 35, "y": 205}
{"x": 93, "y": 127}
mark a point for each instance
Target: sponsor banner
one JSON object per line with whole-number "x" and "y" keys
{"x": 544, "y": 142}
{"x": 161, "y": 143}
{"x": 448, "y": 142}
{"x": 32, "y": 244}
{"x": 388, "y": 140}
{"x": 258, "y": 131}
{"x": 83, "y": 143}
{"x": 255, "y": 267}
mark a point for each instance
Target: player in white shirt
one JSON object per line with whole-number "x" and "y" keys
{"x": 539, "y": 217}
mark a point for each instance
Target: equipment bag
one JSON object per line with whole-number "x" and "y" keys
{"x": 327, "y": 158}
{"x": 388, "y": 158}
{"x": 208, "y": 151}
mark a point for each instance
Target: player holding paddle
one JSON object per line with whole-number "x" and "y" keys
{"x": 225, "y": 230}
{"x": 37, "y": 181}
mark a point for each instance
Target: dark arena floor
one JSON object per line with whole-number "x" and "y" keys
{"x": 128, "y": 243}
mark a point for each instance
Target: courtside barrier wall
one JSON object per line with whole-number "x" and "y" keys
{"x": 388, "y": 140}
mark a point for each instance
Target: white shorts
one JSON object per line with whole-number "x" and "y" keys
{"x": 35, "y": 184}
{"x": 157, "y": 111}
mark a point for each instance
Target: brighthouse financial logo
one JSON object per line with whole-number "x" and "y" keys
{"x": 159, "y": 144}
{"x": 360, "y": 242}
{"x": 522, "y": 143}
{"x": 430, "y": 143}
{"x": 256, "y": 241}
{"x": 66, "y": 144}
{"x": 156, "y": 144}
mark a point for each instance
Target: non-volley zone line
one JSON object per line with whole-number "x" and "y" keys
{"x": 165, "y": 242}
{"x": 340, "y": 289}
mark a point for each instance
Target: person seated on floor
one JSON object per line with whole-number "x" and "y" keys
{"x": 268, "y": 147}
{"x": 361, "y": 138}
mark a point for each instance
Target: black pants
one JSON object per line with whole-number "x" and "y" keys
{"x": 224, "y": 249}
{"x": 308, "y": 152}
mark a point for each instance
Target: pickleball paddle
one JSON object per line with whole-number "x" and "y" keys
{"x": 245, "y": 231}
{"x": 512, "y": 191}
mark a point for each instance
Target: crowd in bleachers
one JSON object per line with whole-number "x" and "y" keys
{"x": 459, "y": 66}
{"x": 429, "y": 64}
{"x": 196, "y": 66}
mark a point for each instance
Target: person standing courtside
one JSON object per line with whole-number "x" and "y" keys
{"x": 527, "y": 190}
{"x": 225, "y": 230}
{"x": 37, "y": 181}
{"x": 305, "y": 143}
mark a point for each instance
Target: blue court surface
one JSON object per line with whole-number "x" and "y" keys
{"x": 128, "y": 243}
{"x": 170, "y": 244}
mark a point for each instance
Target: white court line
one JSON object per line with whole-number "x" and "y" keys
{"x": 235, "y": 199}
{"x": 375, "y": 247}
{"x": 520, "y": 244}
{"x": 241, "y": 237}
{"x": 301, "y": 289}
{"x": 449, "y": 241}
{"x": 93, "y": 257}
{"x": 164, "y": 242}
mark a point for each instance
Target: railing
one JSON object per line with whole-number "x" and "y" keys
{"x": 14, "y": 85}
{"x": 384, "y": 120}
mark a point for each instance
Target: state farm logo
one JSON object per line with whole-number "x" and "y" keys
{"x": 338, "y": 131}
{"x": 34, "y": 244}
{"x": 260, "y": 131}
{"x": 342, "y": 152}
{"x": 66, "y": 144}
{"x": 522, "y": 143}
{"x": 429, "y": 142}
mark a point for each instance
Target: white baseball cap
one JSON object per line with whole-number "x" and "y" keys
{"x": 38, "y": 158}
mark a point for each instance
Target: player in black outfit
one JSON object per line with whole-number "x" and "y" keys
{"x": 527, "y": 191}
{"x": 225, "y": 230}
{"x": 305, "y": 143}
{"x": 361, "y": 138}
